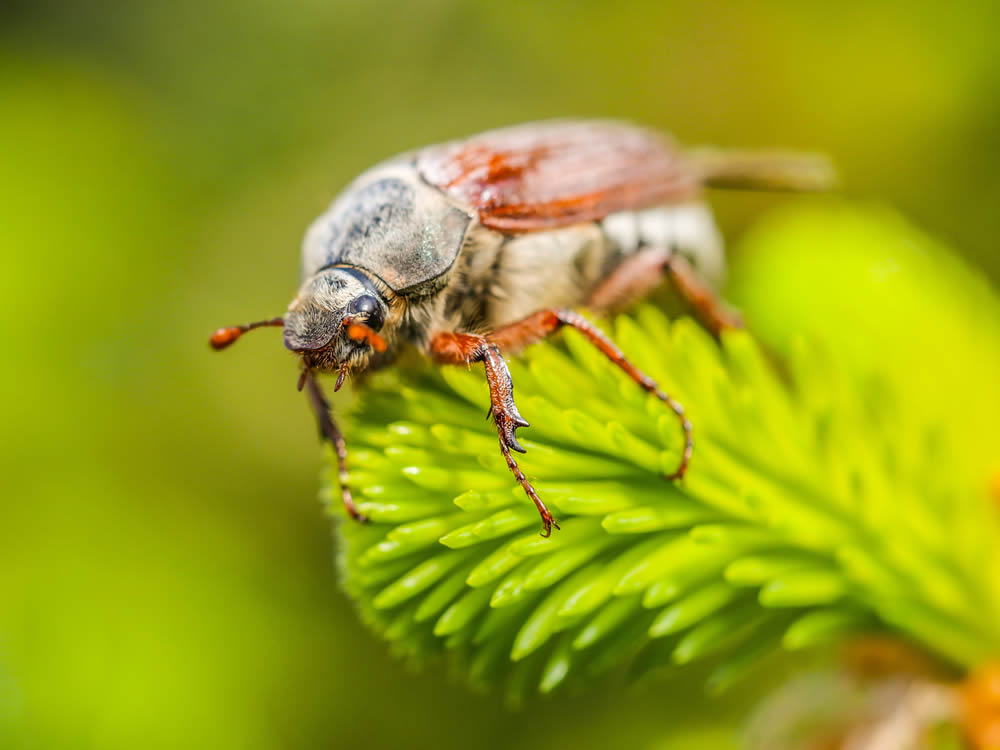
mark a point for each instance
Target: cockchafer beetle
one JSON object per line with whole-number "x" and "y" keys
{"x": 474, "y": 248}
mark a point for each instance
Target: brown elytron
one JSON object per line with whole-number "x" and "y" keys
{"x": 471, "y": 249}
{"x": 535, "y": 177}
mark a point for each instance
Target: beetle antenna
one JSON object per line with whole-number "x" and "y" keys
{"x": 226, "y": 336}
{"x": 360, "y": 332}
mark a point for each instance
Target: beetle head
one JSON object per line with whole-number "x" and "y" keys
{"x": 334, "y": 321}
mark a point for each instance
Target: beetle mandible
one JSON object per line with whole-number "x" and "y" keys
{"x": 475, "y": 248}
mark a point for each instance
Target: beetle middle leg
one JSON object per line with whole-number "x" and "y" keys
{"x": 463, "y": 348}
{"x": 546, "y": 322}
{"x": 644, "y": 271}
{"x": 328, "y": 429}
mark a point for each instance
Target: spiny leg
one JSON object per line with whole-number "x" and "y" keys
{"x": 546, "y": 322}
{"x": 462, "y": 348}
{"x": 328, "y": 429}
{"x": 642, "y": 272}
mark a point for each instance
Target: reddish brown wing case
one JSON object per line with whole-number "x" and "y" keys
{"x": 545, "y": 175}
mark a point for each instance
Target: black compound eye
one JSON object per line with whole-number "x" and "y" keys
{"x": 368, "y": 310}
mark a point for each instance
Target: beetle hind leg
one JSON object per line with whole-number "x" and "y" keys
{"x": 330, "y": 431}
{"x": 647, "y": 269}
{"x": 706, "y": 304}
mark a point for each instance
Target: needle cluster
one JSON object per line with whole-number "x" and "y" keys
{"x": 814, "y": 508}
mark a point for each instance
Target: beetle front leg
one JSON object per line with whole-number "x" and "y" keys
{"x": 328, "y": 429}
{"x": 544, "y": 323}
{"x": 464, "y": 348}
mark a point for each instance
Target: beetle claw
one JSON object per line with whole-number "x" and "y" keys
{"x": 511, "y": 440}
{"x": 507, "y": 425}
{"x": 360, "y": 517}
{"x": 547, "y": 523}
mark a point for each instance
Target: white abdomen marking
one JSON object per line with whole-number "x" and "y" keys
{"x": 688, "y": 228}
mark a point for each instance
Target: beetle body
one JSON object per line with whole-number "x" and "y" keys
{"x": 440, "y": 259}
{"x": 468, "y": 248}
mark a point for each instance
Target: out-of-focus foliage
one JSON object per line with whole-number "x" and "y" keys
{"x": 165, "y": 569}
{"x": 879, "y": 291}
{"x": 822, "y": 507}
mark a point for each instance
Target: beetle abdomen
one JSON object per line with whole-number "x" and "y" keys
{"x": 687, "y": 228}
{"x": 561, "y": 267}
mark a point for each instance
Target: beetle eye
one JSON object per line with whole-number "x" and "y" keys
{"x": 368, "y": 308}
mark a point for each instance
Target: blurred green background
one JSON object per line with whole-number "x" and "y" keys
{"x": 166, "y": 574}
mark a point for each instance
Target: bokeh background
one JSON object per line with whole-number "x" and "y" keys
{"x": 166, "y": 574}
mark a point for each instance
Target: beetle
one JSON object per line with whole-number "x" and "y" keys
{"x": 474, "y": 248}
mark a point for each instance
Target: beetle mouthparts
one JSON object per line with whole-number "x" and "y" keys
{"x": 357, "y": 331}
{"x": 340, "y": 378}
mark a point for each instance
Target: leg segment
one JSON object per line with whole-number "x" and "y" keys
{"x": 711, "y": 311}
{"x": 463, "y": 348}
{"x": 641, "y": 273}
{"x": 546, "y": 322}
{"x": 636, "y": 277}
{"x": 328, "y": 429}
